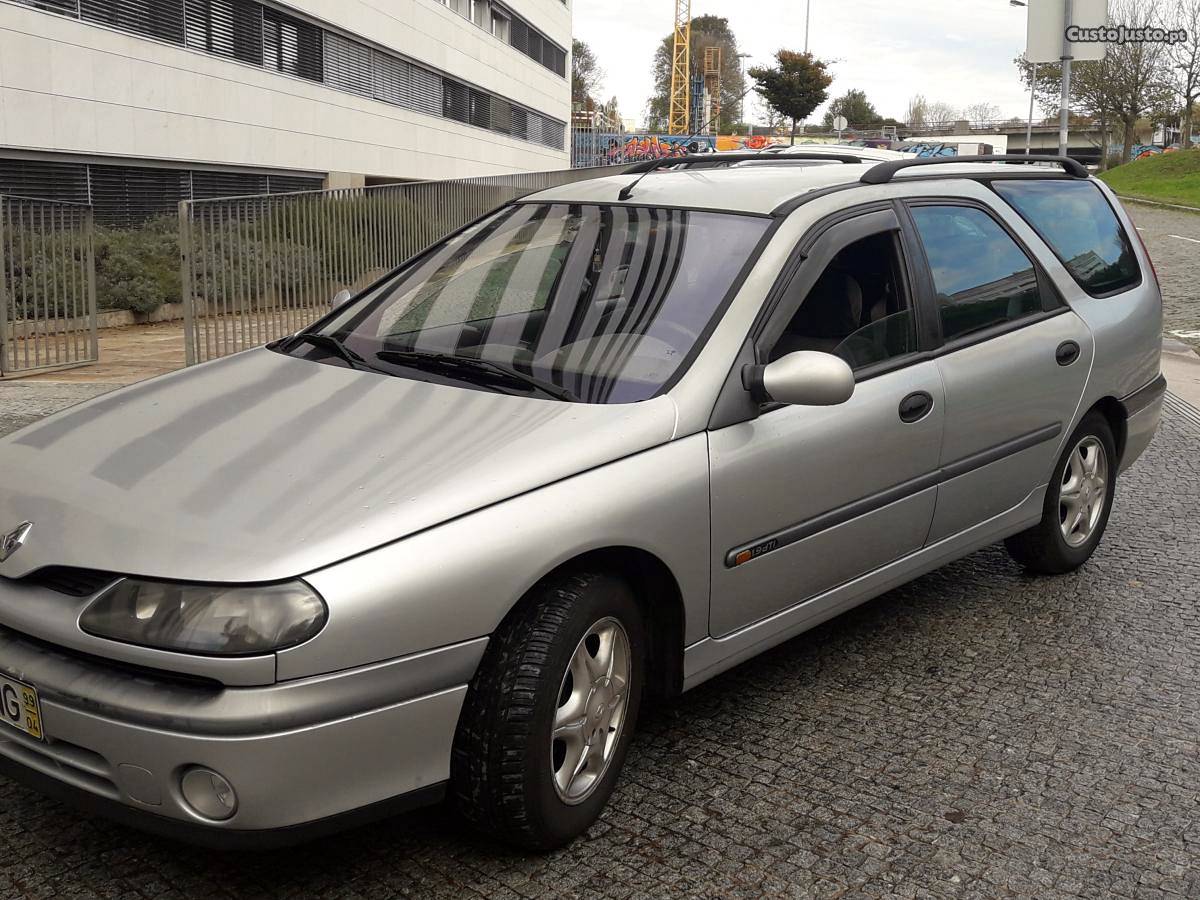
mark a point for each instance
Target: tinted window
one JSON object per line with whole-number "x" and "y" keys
{"x": 606, "y": 302}
{"x": 857, "y": 309}
{"x": 981, "y": 276}
{"x": 1074, "y": 218}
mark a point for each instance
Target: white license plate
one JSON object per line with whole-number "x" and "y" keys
{"x": 19, "y": 707}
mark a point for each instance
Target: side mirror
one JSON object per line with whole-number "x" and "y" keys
{"x": 803, "y": 378}
{"x": 341, "y": 298}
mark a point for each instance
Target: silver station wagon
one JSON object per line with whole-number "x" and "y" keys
{"x": 598, "y": 446}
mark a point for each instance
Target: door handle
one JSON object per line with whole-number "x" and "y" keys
{"x": 915, "y": 407}
{"x": 1067, "y": 353}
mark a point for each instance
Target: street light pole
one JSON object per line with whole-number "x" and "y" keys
{"x": 1021, "y": 4}
{"x": 1029, "y": 124}
{"x": 1064, "y": 111}
{"x": 807, "y": 12}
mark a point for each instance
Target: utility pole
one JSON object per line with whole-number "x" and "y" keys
{"x": 1064, "y": 110}
{"x": 1029, "y": 124}
{"x": 807, "y": 13}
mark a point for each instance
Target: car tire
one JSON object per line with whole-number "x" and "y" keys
{"x": 1075, "y": 513}
{"x": 548, "y": 699}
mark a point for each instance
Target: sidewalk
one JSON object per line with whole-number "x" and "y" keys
{"x": 127, "y": 355}
{"x": 1181, "y": 365}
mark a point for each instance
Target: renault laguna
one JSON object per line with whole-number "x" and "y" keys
{"x": 598, "y": 446}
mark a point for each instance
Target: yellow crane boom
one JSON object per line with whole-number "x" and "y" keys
{"x": 681, "y": 69}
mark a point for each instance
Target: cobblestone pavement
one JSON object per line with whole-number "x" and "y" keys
{"x": 1173, "y": 239}
{"x": 977, "y": 733}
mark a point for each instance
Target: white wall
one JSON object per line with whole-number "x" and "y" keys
{"x": 70, "y": 86}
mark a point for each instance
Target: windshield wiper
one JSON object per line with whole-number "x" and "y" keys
{"x": 337, "y": 348}
{"x": 448, "y": 361}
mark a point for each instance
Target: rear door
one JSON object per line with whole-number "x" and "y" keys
{"x": 1014, "y": 361}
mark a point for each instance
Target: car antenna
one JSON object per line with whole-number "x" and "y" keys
{"x": 627, "y": 191}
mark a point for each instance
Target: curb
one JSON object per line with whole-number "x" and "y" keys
{"x": 1195, "y": 209}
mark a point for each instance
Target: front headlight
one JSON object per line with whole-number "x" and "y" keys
{"x": 221, "y": 620}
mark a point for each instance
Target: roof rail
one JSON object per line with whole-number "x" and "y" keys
{"x": 728, "y": 158}
{"x": 719, "y": 160}
{"x": 883, "y": 172}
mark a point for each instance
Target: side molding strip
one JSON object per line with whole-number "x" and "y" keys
{"x": 1144, "y": 396}
{"x": 842, "y": 514}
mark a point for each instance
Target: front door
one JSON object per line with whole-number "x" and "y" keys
{"x": 807, "y": 498}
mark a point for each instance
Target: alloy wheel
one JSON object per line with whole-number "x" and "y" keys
{"x": 1084, "y": 489}
{"x": 590, "y": 713}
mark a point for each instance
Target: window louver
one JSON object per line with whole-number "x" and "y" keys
{"x": 456, "y": 101}
{"x": 44, "y": 180}
{"x": 162, "y": 19}
{"x": 348, "y": 65}
{"x": 291, "y": 46}
{"x": 124, "y": 196}
{"x": 292, "y": 184}
{"x": 210, "y": 185}
{"x": 229, "y": 28}
{"x": 65, "y": 7}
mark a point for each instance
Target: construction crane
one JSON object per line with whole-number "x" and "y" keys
{"x": 681, "y": 74}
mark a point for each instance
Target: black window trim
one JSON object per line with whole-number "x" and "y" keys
{"x": 910, "y": 275}
{"x": 1098, "y": 295}
{"x": 1053, "y": 303}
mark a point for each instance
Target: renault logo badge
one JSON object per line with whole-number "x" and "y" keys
{"x": 11, "y": 542}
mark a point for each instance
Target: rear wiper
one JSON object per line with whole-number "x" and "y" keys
{"x": 334, "y": 346}
{"x": 427, "y": 359}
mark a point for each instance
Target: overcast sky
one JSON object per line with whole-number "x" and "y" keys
{"x": 957, "y": 52}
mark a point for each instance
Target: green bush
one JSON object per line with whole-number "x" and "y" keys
{"x": 138, "y": 269}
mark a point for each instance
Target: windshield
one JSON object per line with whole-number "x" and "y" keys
{"x": 605, "y": 302}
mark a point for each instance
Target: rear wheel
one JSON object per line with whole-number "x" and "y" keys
{"x": 547, "y": 720}
{"x": 1078, "y": 502}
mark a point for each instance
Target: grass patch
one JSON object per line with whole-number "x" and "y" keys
{"x": 1166, "y": 177}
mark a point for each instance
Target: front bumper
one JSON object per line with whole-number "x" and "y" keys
{"x": 303, "y": 757}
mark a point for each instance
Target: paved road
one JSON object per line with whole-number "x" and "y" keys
{"x": 1173, "y": 239}
{"x": 978, "y": 733}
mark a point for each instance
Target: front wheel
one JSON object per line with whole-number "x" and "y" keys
{"x": 1078, "y": 502}
{"x": 547, "y": 720}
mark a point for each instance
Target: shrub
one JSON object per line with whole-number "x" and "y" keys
{"x": 138, "y": 269}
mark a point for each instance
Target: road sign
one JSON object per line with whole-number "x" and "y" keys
{"x": 1047, "y": 26}
{"x": 839, "y": 123}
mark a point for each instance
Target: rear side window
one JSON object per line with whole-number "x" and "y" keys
{"x": 1078, "y": 223}
{"x": 981, "y": 276}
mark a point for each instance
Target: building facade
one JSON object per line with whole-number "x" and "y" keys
{"x": 136, "y": 104}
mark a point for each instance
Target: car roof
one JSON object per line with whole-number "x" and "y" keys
{"x": 746, "y": 189}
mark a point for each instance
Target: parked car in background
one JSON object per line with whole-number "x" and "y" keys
{"x": 600, "y": 445}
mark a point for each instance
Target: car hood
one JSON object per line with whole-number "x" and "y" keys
{"x": 261, "y": 467}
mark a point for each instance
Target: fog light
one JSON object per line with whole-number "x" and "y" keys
{"x": 208, "y": 794}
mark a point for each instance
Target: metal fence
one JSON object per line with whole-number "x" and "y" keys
{"x": 258, "y": 268}
{"x": 47, "y": 286}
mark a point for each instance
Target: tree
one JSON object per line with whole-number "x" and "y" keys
{"x": 981, "y": 114}
{"x": 1183, "y": 64}
{"x": 586, "y": 76}
{"x": 855, "y": 107}
{"x": 707, "y": 31}
{"x": 940, "y": 115}
{"x": 915, "y": 115}
{"x": 795, "y": 86}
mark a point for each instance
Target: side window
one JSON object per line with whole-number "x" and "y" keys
{"x": 857, "y": 309}
{"x": 1078, "y": 223}
{"x": 982, "y": 278}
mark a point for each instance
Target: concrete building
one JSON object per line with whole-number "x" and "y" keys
{"x": 136, "y": 104}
